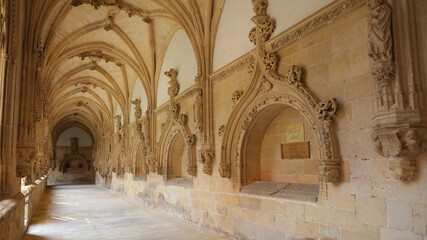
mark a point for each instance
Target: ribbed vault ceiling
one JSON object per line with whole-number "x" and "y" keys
{"x": 95, "y": 51}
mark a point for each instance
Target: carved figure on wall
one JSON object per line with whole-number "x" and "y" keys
{"x": 146, "y": 127}
{"x": 118, "y": 122}
{"x": 74, "y": 142}
{"x": 198, "y": 110}
{"x": 412, "y": 143}
{"x": 380, "y": 39}
{"x": 206, "y": 158}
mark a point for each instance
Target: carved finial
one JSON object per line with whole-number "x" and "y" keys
{"x": 173, "y": 90}
{"x": 264, "y": 24}
{"x": 138, "y": 111}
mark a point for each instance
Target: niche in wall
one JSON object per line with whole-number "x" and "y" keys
{"x": 177, "y": 163}
{"x": 280, "y": 153}
{"x": 141, "y": 166}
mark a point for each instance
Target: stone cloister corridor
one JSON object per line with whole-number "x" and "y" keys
{"x": 213, "y": 119}
{"x": 90, "y": 212}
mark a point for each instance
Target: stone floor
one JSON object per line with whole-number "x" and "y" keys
{"x": 89, "y": 212}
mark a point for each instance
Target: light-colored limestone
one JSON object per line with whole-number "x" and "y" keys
{"x": 97, "y": 60}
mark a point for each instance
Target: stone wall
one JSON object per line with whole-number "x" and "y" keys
{"x": 16, "y": 213}
{"x": 61, "y": 175}
{"x": 365, "y": 204}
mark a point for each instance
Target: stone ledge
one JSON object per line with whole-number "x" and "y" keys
{"x": 142, "y": 178}
{"x": 292, "y": 191}
{"x": 180, "y": 182}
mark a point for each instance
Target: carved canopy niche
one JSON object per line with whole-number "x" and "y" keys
{"x": 268, "y": 88}
{"x": 177, "y": 123}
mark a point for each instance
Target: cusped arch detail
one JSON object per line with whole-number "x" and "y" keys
{"x": 266, "y": 90}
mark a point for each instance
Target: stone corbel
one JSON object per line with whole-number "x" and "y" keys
{"x": 206, "y": 157}
{"x": 401, "y": 147}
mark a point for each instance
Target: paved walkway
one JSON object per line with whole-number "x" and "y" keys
{"x": 89, "y": 212}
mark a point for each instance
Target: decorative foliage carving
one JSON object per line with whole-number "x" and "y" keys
{"x": 270, "y": 61}
{"x": 295, "y": 75}
{"x": 266, "y": 28}
{"x": 138, "y": 111}
{"x": 266, "y": 86}
{"x": 181, "y": 121}
{"x": 108, "y": 22}
{"x": 221, "y": 130}
{"x": 383, "y": 74}
{"x": 327, "y": 110}
{"x": 236, "y": 96}
{"x": 264, "y": 24}
{"x": 190, "y": 139}
{"x": 325, "y": 17}
{"x": 245, "y": 61}
{"x": 130, "y": 9}
{"x": 401, "y": 148}
{"x": 96, "y": 56}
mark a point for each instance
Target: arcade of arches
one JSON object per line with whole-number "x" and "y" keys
{"x": 256, "y": 119}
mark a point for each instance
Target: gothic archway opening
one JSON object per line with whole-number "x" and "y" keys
{"x": 280, "y": 155}
{"x": 177, "y": 173}
{"x": 72, "y": 161}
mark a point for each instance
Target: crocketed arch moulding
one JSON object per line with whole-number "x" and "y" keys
{"x": 190, "y": 147}
{"x": 268, "y": 88}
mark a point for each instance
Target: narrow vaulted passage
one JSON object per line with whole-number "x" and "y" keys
{"x": 91, "y": 212}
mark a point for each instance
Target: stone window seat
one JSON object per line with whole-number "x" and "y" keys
{"x": 180, "y": 182}
{"x": 142, "y": 178}
{"x": 292, "y": 191}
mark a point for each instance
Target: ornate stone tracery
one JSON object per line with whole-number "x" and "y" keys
{"x": 177, "y": 124}
{"x": 268, "y": 89}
